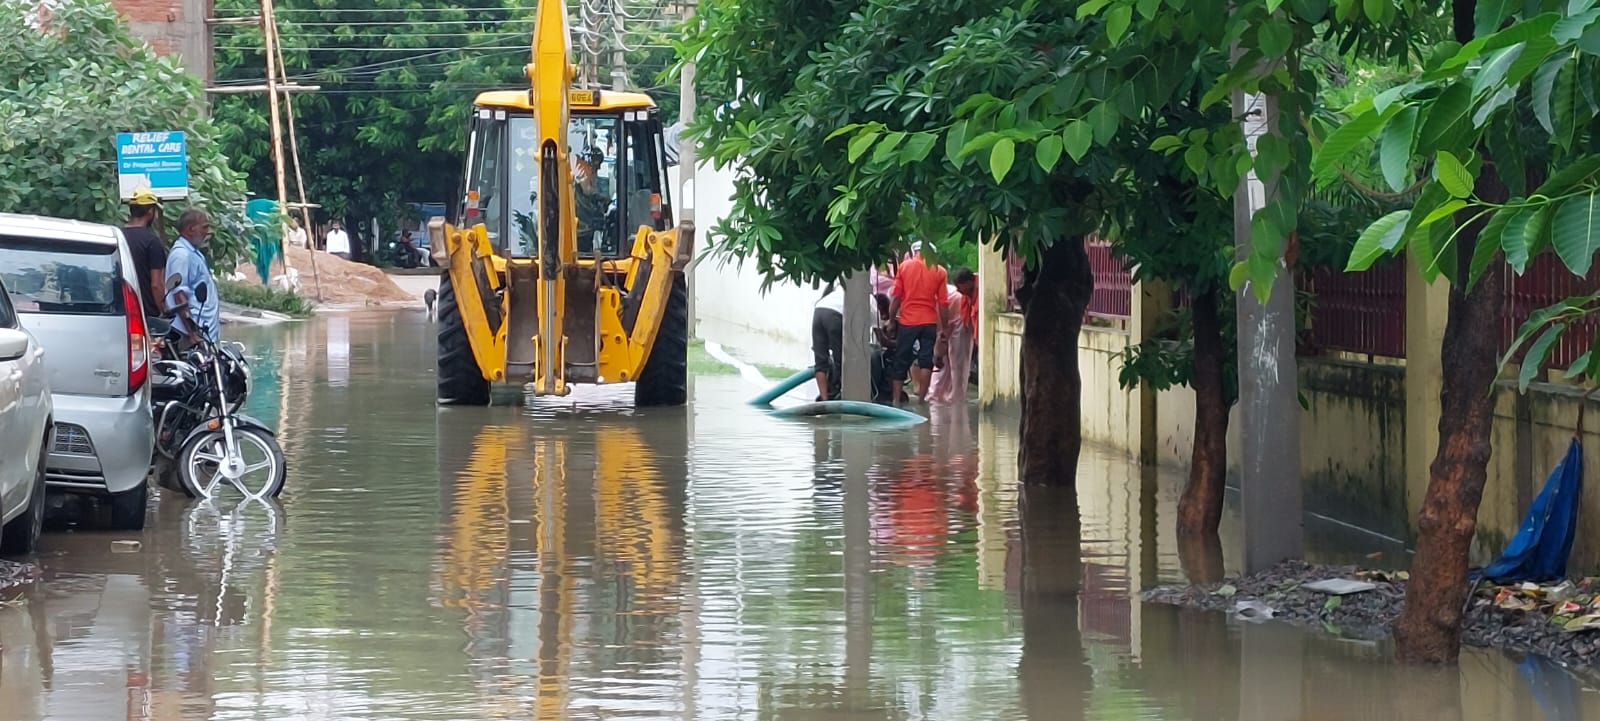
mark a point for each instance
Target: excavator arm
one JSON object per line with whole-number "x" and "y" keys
{"x": 551, "y": 74}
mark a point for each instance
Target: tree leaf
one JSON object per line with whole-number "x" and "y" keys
{"x": 1165, "y": 142}
{"x": 1378, "y": 240}
{"x": 887, "y": 147}
{"x": 844, "y": 130}
{"x": 1345, "y": 139}
{"x": 860, "y": 143}
{"x": 1117, "y": 21}
{"x": 917, "y": 148}
{"x": 1514, "y": 237}
{"x": 1496, "y": 68}
{"x": 1544, "y": 83}
{"x": 1572, "y": 27}
{"x": 1449, "y": 208}
{"x": 954, "y": 140}
{"x": 1580, "y": 365}
{"x": 1398, "y": 138}
{"x": 1443, "y": 114}
{"x": 1488, "y": 16}
{"x": 1537, "y": 354}
{"x": 1048, "y": 152}
{"x": 1374, "y": 10}
{"x": 1077, "y": 137}
{"x": 1104, "y": 121}
{"x": 1487, "y": 245}
{"x": 1575, "y": 232}
{"x": 1195, "y": 157}
{"x": 1564, "y": 180}
{"x": 1001, "y": 157}
{"x": 1453, "y": 175}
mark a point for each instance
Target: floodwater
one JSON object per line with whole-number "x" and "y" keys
{"x": 577, "y": 559}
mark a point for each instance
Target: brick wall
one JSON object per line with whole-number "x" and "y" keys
{"x": 173, "y": 27}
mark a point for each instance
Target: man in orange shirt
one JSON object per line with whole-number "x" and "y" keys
{"x": 919, "y": 293}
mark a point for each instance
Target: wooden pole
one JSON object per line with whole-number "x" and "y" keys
{"x": 300, "y": 183}
{"x": 269, "y": 31}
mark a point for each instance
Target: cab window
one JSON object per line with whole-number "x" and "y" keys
{"x": 485, "y": 174}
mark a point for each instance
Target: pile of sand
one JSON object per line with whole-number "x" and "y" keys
{"x": 340, "y": 280}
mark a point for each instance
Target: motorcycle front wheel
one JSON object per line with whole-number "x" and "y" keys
{"x": 203, "y": 464}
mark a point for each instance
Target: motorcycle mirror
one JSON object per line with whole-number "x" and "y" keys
{"x": 202, "y": 291}
{"x": 173, "y": 281}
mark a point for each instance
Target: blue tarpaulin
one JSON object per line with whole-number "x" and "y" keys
{"x": 1540, "y": 549}
{"x": 264, "y": 237}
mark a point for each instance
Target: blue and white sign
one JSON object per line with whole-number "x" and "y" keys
{"x": 158, "y": 162}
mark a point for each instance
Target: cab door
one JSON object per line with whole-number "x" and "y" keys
{"x": 484, "y": 198}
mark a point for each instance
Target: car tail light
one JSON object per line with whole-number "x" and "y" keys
{"x": 138, "y": 340}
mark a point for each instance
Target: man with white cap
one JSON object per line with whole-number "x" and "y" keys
{"x": 919, "y": 294}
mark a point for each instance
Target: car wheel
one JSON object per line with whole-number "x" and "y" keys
{"x": 21, "y": 535}
{"x": 128, "y": 508}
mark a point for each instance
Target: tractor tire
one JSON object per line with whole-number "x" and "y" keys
{"x": 460, "y": 381}
{"x": 665, "y": 378}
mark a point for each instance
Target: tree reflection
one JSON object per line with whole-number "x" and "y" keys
{"x": 1054, "y": 673}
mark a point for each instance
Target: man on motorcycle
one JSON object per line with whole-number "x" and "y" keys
{"x": 191, "y": 289}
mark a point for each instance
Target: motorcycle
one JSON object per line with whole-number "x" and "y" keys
{"x": 196, "y": 396}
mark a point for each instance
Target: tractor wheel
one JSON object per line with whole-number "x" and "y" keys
{"x": 460, "y": 381}
{"x": 665, "y": 378}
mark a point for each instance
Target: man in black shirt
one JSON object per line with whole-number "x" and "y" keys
{"x": 149, "y": 254}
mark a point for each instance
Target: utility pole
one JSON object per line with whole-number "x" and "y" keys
{"x": 300, "y": 182}
{"x": 619, "y": 60}
{"x": 269, "y": 31}
{"x": 1269, "y": 407}
{"x": 687, "y": 160}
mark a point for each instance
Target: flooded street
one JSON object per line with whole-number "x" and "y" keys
{"x": 578, "y": 559}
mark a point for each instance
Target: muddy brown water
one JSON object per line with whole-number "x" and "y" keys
{"x": 578, "y": 559}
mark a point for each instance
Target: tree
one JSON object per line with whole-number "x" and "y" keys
{"x": 72, "y": 78}
{"x": 398, "y": 81}
{"x": 1519, "y": 83}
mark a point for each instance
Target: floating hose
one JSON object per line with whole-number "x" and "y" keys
{"x": 850, "y": 408}
{"x": 788, "y": 384}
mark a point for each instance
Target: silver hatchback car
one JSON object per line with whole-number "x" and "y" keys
{"x": 74, "y": 287}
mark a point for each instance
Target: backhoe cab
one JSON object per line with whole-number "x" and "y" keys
{"x": 568, "y": 268}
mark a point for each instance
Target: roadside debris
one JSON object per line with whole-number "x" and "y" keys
{"x": 1558, "y": 619}
{"x": 1339, "y": 586}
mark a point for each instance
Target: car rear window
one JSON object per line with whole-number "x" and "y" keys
{"x": 8, "y": 319}
{"x": 61, "y": 277}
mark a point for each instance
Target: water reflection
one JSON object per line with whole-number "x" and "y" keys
{"x": 578, "y": 559}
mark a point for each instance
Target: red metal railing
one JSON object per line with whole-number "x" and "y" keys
{"x": 1113, "y": 285}
{"x": 1545, "y": 283}
{"x": 1358, "y": 312}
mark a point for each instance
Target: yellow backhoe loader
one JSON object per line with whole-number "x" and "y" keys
{"x": 567, "y": 267}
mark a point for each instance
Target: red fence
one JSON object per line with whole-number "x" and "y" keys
{"x": 1113, "y": 285}
{"x": 1545, "y": 283}
{"x": 1358, "y": 312}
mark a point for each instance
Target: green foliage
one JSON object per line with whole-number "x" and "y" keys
{"x": 1521, "y": 96}
{"x": 264, "y": 298}
{"x": 64, "y": 93}
{"x": 398, "y": 80}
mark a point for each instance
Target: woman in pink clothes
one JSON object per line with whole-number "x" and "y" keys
{"x": 958, "y": 332}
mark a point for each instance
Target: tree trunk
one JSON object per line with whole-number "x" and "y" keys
{"x": 1200, "y": 508}
{"x": 1053, "y": 297}
{"x": 1429, "y": 627}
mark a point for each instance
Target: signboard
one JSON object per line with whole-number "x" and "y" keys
{"x": 156, "y": 161}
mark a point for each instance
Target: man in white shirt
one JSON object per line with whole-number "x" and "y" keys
{"x": 294, "y": 234}
{"x": 338, "y": 241}
{"x": 827, "y": 341}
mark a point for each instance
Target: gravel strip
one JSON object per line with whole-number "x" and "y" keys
{"x": 1369, "y": 614}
